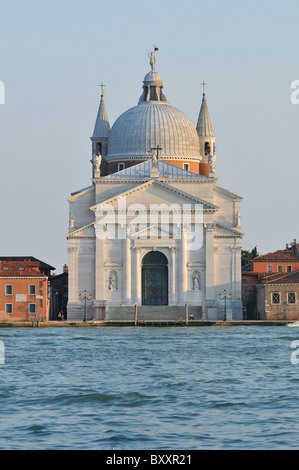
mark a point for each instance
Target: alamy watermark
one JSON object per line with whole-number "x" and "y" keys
{"x": 2, "y": 353}
{"x": 151, "y": 221}
{"x": 295, "y": 94}
{"x": 294, "y": 358}
{"x": 2, "y": 92}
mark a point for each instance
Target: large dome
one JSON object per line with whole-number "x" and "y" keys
{"x": 149, "y": 124}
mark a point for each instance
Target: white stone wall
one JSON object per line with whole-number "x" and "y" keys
{"x": 110, "y": 270}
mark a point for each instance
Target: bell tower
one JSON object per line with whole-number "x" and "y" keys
{"x": 206, "y": 135}
{"x": 101, "y": 131}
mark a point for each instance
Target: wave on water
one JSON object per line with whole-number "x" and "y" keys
{"x": 147, "y": 388}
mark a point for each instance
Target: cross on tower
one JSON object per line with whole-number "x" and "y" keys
{"x": 155, "y": 158}
{"x": 157, "y": 149}
{"x": 102, "y": 86}
{"x": 203, "y": 86}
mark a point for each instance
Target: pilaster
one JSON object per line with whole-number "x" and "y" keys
{"x": 99, "y": 264}
{"x": 172, "y": 272}
{"x": 127, "y": 270}
{"x": 73, "y": 252}
{"x": 183, "y": 277}
{"x": 137, "y": 276}
{"x": 210, "y": 303}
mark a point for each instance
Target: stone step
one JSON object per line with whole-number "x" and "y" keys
{"x": 149, "y": 313}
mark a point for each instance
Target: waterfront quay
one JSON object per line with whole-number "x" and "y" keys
{"x": 144, "y": 323}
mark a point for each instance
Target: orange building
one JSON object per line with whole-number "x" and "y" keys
{"x": 280, "y": 261}
{"x": 24, "y": 289}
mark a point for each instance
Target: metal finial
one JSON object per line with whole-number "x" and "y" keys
{"x": 203, "y": 87}
{"x": 102, "y": 86}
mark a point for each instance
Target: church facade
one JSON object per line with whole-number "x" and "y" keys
{"x": 154, "y": 229}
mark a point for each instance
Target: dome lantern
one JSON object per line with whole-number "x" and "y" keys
{"x": 152, "y": 84}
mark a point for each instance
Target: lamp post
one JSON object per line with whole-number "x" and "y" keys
{"x": 225, "y": 297}
{"x": 85, "y": 298}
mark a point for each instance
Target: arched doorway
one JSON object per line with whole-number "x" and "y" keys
{"x": 155, "y": 279}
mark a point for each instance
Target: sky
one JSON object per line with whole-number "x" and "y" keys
{"x": 55, "y": 54}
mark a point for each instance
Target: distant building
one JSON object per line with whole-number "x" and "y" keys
{"x": 280, "y": 261}
{"x": 58, "y": 294}
{"x": 278, "y": 297}
{"x": 24, "y": 288}
{"x": 270, "y": 285}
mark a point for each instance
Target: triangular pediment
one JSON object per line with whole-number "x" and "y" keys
{"x": 81, "y": 192}
{"x": 227, "y": 193}
{"x": 225, "y": 231}
{"x": 84, "y": 232}
{"x": 154, "y": 192}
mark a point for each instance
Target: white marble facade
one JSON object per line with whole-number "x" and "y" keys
{"x": 105, "y": 254}
{"x": 123, "y": 216}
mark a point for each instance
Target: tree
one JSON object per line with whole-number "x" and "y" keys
{"x": 247, "y": 256}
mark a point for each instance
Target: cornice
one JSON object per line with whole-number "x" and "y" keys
{"x": 204, "y": 180}
{"x": 270, "y": 284}
{"x": 25, "y": 277}
{"x": 229, "y": 193}
{"x": 79, "y": 193}
{"x": 77, "y": 237}
{"x": 143, "y": 158}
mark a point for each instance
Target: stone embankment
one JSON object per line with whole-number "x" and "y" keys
{"x": 156, "y": 323}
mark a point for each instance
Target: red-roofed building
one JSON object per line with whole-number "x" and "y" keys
{"x": 24, "y": 289}
{"x": 270, "y": 285}
{"x": 280, "y": 261}
{"x": 278, "y": 296}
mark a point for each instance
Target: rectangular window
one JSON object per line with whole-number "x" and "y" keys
{"x": 8, "y": 290}
{"x": 291, "y": 298}
{"x": 8, "y": 308}
{"x": 21, "y": 269}
{"x": 121, "y": 166}
{"x": 32, "y": 308}
{"x": 186, "y": 166}
{"x": 32, "y": 289}
{"x": 275, "y": 298}
{"x": 269, "y": 269}
{"x": 289, "y": 269}
{"x": 280, "y": 269}
{"x": 5, "y": 268}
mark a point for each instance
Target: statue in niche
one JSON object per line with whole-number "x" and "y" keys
{"x": 238, "y": 219}
{"x": 112, "y": 281}
{"x": 195, "y": 281}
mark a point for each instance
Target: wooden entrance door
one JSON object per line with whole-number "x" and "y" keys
{"x": 155, "y": 279}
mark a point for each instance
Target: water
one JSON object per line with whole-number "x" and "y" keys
{"x": 149, "y": 388}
